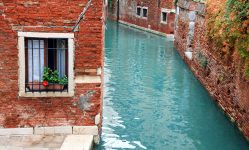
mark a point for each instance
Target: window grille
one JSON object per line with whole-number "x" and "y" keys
{"x": 42, "y": 54}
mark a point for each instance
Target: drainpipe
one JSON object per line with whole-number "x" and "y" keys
{"x": 118, "y": 10}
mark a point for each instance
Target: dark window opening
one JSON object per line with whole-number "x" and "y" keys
{"x": 145, "y": 12}
{"x": 46, "y": 65}
{"x": 138, "y": 11}
{"x": 164, "y": 17}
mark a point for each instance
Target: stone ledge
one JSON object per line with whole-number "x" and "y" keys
{"x": 56, "y": 130}
{"x": 171, "y": 36}
{"x": 87, "y": 79}
{"x": 16, "y": 131}
{"x": 85, "y": 130}
{"x": 53, "y": 130}
{"x": 47, "y": 142}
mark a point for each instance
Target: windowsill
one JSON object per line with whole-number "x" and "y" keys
{"x": 162, "y": 22}
{"x": 140, "y": 17}
{"x": 46, "y": 94}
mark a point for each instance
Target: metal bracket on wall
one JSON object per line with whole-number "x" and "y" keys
{"x": 81, "y": 16}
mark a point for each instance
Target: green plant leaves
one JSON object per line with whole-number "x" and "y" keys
{"x": 228, "y": 28}
{"x": 53, "y": 76}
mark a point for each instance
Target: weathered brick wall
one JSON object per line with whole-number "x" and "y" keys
{"x": 222, "y": 79}
{"x": 50, "y": 16}
{"x": 128, "y": 14}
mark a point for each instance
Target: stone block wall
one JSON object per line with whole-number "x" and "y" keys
{"x": 223, "y": 80}
{"x": 57, "y": 16}
{"x": 128, "y": 8}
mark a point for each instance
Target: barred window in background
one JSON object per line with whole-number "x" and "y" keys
{"x": 164, "y": 17}
{"x": 138, "y": 11}
{"x": 145, "y": 12}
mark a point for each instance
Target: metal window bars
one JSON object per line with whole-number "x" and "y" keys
{"x": 40, "y": 53}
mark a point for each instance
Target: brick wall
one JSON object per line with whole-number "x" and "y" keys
{"x": 223, "y": 79}
{"x": 50, "y": 16}
{"x": 127, "y": 13}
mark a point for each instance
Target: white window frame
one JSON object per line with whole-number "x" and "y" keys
{"x": 142, "y": 14}
{"x": 168, "y": 11}
{"x": 21, "y": 61}
{"x": 164, "y": 22}
{"x": 141, "y": 10}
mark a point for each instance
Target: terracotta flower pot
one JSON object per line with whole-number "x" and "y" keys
{"x": 39, "y": 86}
{"x": 54, "y": 87}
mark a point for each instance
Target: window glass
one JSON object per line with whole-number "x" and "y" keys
{"x": 35, "y": 60}
{"x": 164, "y": 16}
{"x": 138, "y": 11}
{"x": 61, "y": 57}
{"x": 145, "y": 12}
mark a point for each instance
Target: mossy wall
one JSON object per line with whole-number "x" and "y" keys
{"x": 216, "y": 32}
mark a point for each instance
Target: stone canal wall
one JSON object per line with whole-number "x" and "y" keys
{"x": 127, "y": 11}
{"x": 82, "y": 105}
{"x": 223, "y": 78}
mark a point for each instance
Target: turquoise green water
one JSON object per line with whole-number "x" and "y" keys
{"x": 152, "y": 100}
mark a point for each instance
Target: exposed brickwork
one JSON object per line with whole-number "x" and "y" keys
{"x": 128, "y": 14}
{"x": 49, "y": 16}
{"x": 223, "y": 81}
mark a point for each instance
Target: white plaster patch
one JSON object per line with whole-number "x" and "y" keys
{"x": 97, "y": 119}
{"x": 96, "y": 139}
{"x": 188, "y": 55}
{"x": 192, "y": 15}
{"x": 99, "y": 71}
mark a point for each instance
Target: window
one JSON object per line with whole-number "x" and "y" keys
{"x": 46, "y": 64}
{"x": 145, "y": 12}
{"x": 142, "y": 12}
{"x": 164, "y": 17}
{"x": 139, "y": 11}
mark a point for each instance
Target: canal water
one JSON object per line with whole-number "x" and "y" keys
{"x": 153, "y": 101}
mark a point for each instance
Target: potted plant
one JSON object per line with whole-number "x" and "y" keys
{"x": 51, "y": 80}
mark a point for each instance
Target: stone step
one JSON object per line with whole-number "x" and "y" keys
{"x": 78, "y": 142}
{"x": 36, "y": 142}
{"x": 22, "y": 148}
{"x": 44, "y": 142}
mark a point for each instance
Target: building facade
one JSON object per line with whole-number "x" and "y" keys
{"x": 155, "y": 15}
{"x": 50, "y": 74}
{"x": 223, "y": 79}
